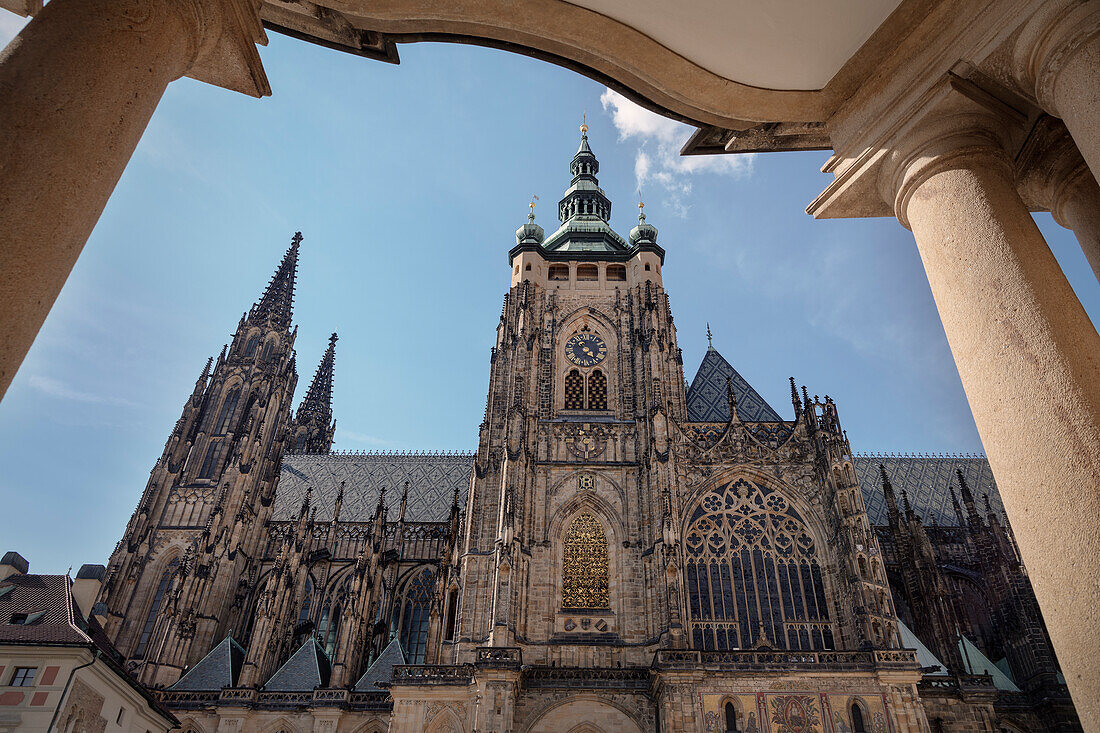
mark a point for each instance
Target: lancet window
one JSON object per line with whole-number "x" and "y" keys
{"x": 574, "y": 390}
{"x": 229, "y": 406}
{"x": 415, "y": 614}
{"x": 597, "y": 391}
{"x": 753, "y": 566}
{"x": 210, "y": 462}
{"x": 154, "y": 607}
{"x": 328, "y": 627}
{"x": 584, "y": 565}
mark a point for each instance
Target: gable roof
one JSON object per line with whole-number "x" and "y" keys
{"x": 432, "y": 477}
{"x": 706, "y": 397}
{"x": 381, "y": 670}
{"x": 307, "y": 669}
{"x": 218, "y": 669}
{"x": 927, "y": 480}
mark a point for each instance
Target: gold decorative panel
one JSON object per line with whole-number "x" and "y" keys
{"x": 584, "y": 567}
{"x": 597, "y": 391}
{"x": 574, "y": 390}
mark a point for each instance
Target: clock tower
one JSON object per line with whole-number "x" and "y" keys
{"x": 562, "y": 553}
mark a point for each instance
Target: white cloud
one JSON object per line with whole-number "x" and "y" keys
{"x": 59, "y": 390}
{"x": 363, "y": 438}
{"x": 657, "y": 159}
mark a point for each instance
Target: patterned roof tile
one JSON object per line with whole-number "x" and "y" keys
{"x": 706, "y": 397}
{"x": 927, "y": 480}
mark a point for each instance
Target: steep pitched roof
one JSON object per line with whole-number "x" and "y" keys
{"x": 307, "y": 669}
{"x": 432, "y": 477}
{"x": 706, "y": 397}
{"x": 927, "y": 480}
{"x": 978, "y": 663}
{"x": 925, "y": 657}
{"x": 218, "y": 669}
{"x": 381, "y": 670}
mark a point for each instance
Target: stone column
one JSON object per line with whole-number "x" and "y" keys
{"x": 1077, "y": 206}
{"x": 1052, "y": 175}
{"x": 1056, "y": 58}
{"x": 79, "y": 84}
{"x": 1029, "y": 359}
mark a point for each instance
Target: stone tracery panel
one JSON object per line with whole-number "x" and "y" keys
{"x": 584, "y": 565}
{"x": 752, "y": 572}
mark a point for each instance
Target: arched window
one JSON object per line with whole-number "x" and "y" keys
{"x": 751, "y": 563}
{"x": 588, "y": 272}
{"x": 300, "y": 443}
{"x": 250, "y": 347}
{"x": 154, "y": 607}
{"x": 265, "y": 355}
{"x": 597, "y": 391}
{"x": 616, "y": 273}
{"x": 584, "y": 583}
{"x": 452, "y": 615}
{"x": 574, "y": 390}
{"x": 559, "y": 272}
{"x": 210, "y": 463}
{"x": 328, "y": 627}
{"x": 857, "y": 719}
{"x": 307, "y": 603}
{"x": 731, "y": 718}
{"x": 229, "y": 406}
{"x": 862, "y": 567}
{"x": 415, "y": 614}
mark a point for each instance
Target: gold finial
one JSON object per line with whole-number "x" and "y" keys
{"x": 641, "y": 211}
{"x": 584, "y": 123}
{"x": 531, "y": 216}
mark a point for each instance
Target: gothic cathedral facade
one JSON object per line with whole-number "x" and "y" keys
{"x": 620, "y": 553}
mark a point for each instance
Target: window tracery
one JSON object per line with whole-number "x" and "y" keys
{"x": 597, "y": 391}
{"x": 415, "y": 615}
{"x": 154, "y": 607}
{"x": 584, "y": 565}
{"x": 752, "y": 564}
{"x": 229, "y": 406}
{"x": 574, "y": 390}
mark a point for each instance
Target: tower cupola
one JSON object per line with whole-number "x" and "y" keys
{"x": 584, "y": 199}
{"x": 643, "y": 233}
{"x": 530, "y": 233}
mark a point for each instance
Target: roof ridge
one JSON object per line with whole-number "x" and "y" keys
{"x": 919, "y": 454}
{"x": 394, "y": 454}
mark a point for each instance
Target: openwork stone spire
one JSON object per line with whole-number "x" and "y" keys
{"x": 277, "y": 303}
{"x": 318, "y": 400}
{"x": 314, "y": 427}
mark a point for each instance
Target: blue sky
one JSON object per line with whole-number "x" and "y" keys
{"x": 408, "y": 183}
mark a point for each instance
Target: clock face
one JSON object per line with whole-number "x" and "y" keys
{"x": 585, "y": 350}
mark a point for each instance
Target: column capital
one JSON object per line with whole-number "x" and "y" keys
{"x": 1048, "y": 41}
{"x": 227, "y": 33}
{"x": 940, "y": 141}
{"x": 1050, "y": 170}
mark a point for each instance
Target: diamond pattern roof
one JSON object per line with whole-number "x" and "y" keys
{"x": 218, "y": 669}
{"x": 432, "y": 477}
{"x": 706, "y": 397}
{"x": 927, "y": 481}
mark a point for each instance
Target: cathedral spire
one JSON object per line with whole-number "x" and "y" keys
{"x": 276, "y": 305}
{"x": 584, "y": 199}
{"x": 318, "y": 399}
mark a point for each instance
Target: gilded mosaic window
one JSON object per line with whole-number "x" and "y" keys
{"x": 574, "y": 390}
{"x": 597, "y": 391}
{"x": 752, "y": 564}
{"x": 584, "y": 565}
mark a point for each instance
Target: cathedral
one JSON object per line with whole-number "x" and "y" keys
{"x": 622, "y": 552}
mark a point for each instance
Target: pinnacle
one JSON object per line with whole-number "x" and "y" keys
{"x": 318, "y": 399}
{"x": 276, "y": 305}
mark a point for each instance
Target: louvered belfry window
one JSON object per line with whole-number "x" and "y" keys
{"x": 574, "y": 390}
{"x": 584, "y": 565}
{"x": 752, "y": 565}
{"x": 597, "y": 391}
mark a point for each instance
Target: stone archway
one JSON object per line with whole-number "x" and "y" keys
{"x": 587, "y": 715}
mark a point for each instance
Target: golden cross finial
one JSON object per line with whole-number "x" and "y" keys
{"x": 584, "y": 123}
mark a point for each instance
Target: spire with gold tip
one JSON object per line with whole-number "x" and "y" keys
{"x": 530, "y": 233}
{"x": 644, "y": 233}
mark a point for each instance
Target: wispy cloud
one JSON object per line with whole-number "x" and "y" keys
{"x": 59, "y": 390}
{"x": 355, "y": 437}
{"x": 657, "y": 159}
